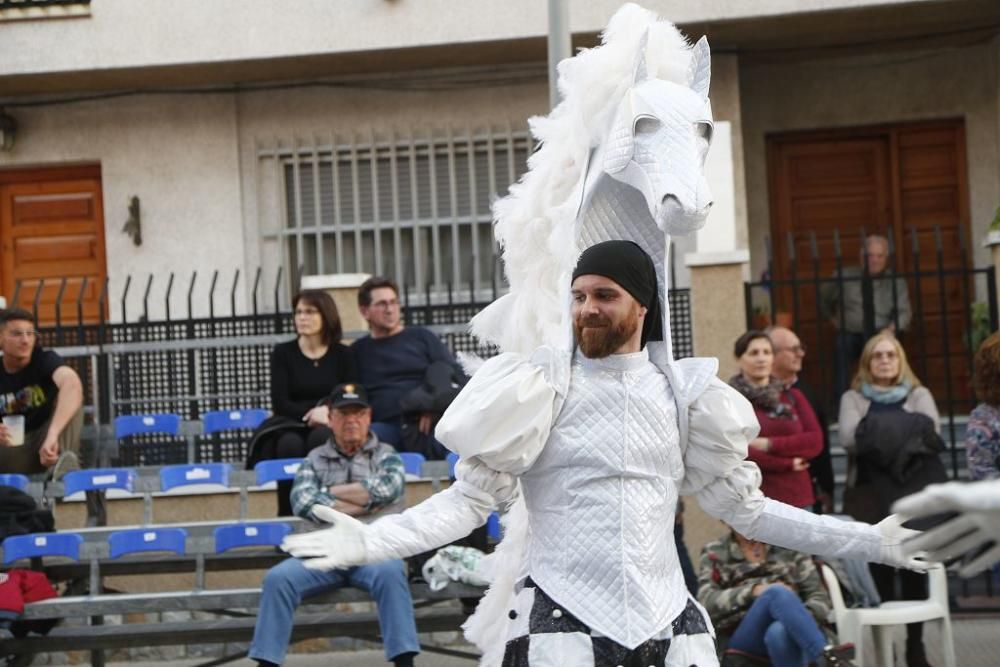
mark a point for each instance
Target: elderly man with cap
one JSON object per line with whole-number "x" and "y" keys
{"x": 358, "y": 475}
{"x": 599, "y": 442}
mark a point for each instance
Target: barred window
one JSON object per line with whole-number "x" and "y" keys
{"x": 418, "y": 210}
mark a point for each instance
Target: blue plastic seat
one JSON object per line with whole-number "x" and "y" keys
{"x": 276, "y": 470}
{"x": 226, "y": 420}
{"x": 17, "y": 547}
{"x": 412, "y": 462}
{"x": 189, "y": 474}
{"x": 127, "y": 425}
{"x": 493, "y": 526}
{"x": 19, "y": 482}
{"x": 452, "y": 461}
{"x": 98, "y": 478}
{"x": 249, "y": 535}
{"x": 124, "y": 542}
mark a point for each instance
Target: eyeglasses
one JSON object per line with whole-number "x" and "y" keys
{"x": 891, "y": 354}
{"x": 22, "y": 333}
{"x": 795, "y": 349}
{"x": 386, "y": 305}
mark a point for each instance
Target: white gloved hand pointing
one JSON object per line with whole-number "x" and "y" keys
{"x": 977, "y": 525}
{"x": 339, "y": 546}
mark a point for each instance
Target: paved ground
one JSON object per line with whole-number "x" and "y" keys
{"x": 977, "y": 644}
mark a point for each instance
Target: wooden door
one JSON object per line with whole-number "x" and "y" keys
{"x": 906, "y": 182}
{"x": 52, "y": 241}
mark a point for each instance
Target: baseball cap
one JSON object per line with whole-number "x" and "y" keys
{"x": 348, "y": 394}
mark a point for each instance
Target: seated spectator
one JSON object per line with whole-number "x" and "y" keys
{"x": 409, "y": 373}
{"x": 790, "y": 435}
{"x": 303, "y": 373}
{"x": 354, "y": 473}
{"x": 37, "y": 386}
{"x": 770, "y": 601}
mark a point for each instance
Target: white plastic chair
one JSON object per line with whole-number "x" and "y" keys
{"x": 851, "y": 622}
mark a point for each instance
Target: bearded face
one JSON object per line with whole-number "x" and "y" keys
{"x": 601, "y": 334}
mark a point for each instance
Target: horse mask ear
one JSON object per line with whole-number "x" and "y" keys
{"x": 699, "y": 73}
{"x": 618, "y": 154}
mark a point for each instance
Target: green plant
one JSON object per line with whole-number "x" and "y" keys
{"x": 980, "y": 329}
{"x": 995, "y": 225}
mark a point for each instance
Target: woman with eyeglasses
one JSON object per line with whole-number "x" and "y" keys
{"x": 303, "y": 373}
{"x": 790, "y": 435}
{"x": 889, "y": 427}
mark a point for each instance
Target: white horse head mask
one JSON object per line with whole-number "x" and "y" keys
{"x": 622, "y": 157}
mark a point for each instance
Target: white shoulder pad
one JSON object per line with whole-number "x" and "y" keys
{"x": 504, "y": 414}
{"x": 690, "y": 377}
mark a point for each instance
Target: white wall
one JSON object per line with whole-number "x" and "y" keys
{"x": 131, "y": 33}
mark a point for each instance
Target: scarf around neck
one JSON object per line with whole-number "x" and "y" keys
{"x": 894, "y": 394}
{"x": 766, "y": 397}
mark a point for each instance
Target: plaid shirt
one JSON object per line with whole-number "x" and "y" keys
{"x": 376, "y": 466}
{"x": 982, "y": 442}
{"x": 726, "y": 581}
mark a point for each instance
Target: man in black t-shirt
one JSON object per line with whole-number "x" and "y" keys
{"x": 409, "y": 373}
{"x": 38, "y": 385}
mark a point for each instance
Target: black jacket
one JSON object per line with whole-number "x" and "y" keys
{"x": 898, "y": 453}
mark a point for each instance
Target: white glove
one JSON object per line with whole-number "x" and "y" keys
{"x": 892, "y": 551}
{"x": 339, "y": 546}
{"x": 977, "y": 524}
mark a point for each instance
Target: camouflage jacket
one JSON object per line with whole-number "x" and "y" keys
{"x": 726, "y": 581}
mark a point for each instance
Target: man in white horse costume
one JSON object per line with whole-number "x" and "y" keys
{"x": 586, "y": 441}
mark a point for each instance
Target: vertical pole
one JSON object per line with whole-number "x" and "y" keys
{"x": 560, "y": 44}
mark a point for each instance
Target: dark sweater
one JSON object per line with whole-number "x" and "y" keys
{"x": 298, "y": 382}
{"x": 393, "y": 366}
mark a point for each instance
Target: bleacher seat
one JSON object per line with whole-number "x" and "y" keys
{"x": 98, "y": 478}
{"x": 412, "y": 463}
{"x": 249, "y": 535}
{"x": 493, "y": 527}
{"x": 190, "y": 474}
{"x": 226, "y": 420}
{"x": 125, "y": 542}
{"x": 19, "y": 482}
{"x": 34, "y": 545}
{"x": 452, "y": 461}
{"x": 128, "y": 425}
{"x": 276, "y": 470}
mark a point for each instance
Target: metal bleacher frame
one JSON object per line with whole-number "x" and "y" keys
{"x": 200, "y": 554}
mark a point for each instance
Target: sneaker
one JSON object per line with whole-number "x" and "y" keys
{"x": 840, "y": 655}
{"x": 68, "y": 462}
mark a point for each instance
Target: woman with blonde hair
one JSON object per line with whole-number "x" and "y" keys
{"x": 889, "y": 427}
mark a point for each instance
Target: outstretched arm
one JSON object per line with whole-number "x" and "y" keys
{"x": 721, "y": 423}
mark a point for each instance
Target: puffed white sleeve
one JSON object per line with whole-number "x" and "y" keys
{"x": 721, "y": 424}
{"x": 498, "y": 425}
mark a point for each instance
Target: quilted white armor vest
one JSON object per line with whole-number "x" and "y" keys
{"x": 601, "y": 499}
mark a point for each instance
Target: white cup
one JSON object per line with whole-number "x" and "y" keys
{"x": 15, "y": 424}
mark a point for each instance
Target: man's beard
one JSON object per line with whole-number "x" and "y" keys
{"x": 597, "y": 337}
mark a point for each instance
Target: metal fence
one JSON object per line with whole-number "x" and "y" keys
{"x": 190, "y": 365}
{"x": 953, "y": 308}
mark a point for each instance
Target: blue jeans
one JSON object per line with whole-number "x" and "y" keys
{"x": 387, "y": 432}
{"x": 289, "y": 582}
{"x": 779, "y": 626}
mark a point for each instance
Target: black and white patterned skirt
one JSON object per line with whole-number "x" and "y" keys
{"x": 543, "y": 634}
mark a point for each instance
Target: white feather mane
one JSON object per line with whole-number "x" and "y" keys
{"x": 534, "y": 224}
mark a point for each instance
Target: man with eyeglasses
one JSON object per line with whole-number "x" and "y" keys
{"x": 38, "y": 386}
{"x": 788, "y": 355}
{"x": 411, "y": 376}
